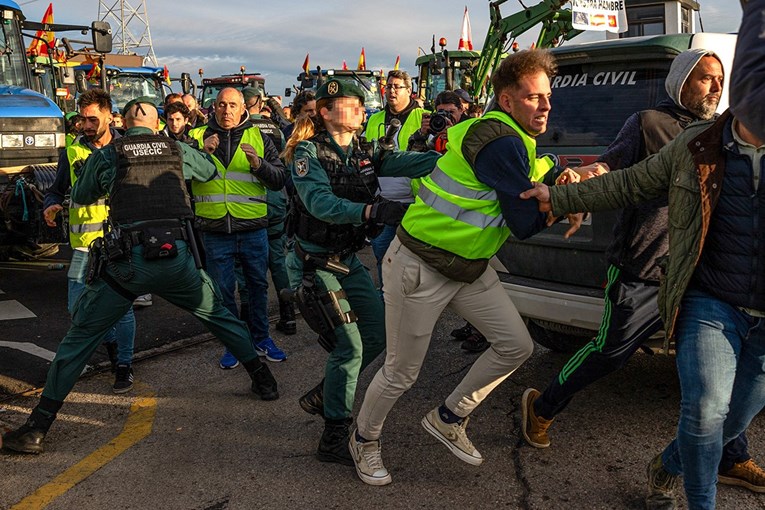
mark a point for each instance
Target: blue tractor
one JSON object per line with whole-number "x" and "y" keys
{"x": 31, "y": 136}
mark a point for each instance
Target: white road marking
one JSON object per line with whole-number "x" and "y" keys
{"x": 14, "y": 310}
{"x": 30, "y": 348}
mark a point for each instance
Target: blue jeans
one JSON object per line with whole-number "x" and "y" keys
{"x": 721, "y": 365}
{"x": 123, "y": 333}
{"x": 251, "y": 249}
{"x": 380, "y": 245}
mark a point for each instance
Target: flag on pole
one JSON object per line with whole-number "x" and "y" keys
{"x": 166, "y": 76}
{"x": 362, "y": 61}
{"x": 38, "y": 47}
{"x": 345, "y": 65}
{"x": 306, "y": 63}
{"x": 398, "y": 61}
{"x": 466, "y": 37}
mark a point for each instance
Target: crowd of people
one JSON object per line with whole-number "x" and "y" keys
{"x": 198, "y": 208}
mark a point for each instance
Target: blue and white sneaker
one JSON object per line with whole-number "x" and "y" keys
{"x": 228, "y": 361}
{"x": 270, "y": 351}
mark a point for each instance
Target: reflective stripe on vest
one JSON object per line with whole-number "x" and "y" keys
{"x": 376, "y": 127}
{"x": 235, "y": 190}
{"x": 86, "y": 222}
{"x": 455, "y": 211}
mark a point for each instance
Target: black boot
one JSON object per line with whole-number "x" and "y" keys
{"x": 463, "y": 332}
{"x": 263, "y": 383}
{"x": 111, "y": 350}
{"x": 29, "y": 437}
{"x": 333, "y": 446}
{"x": 313, "y": 401}
{"x": 286, "y": 324}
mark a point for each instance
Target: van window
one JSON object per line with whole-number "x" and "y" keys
{"x": 591, "y": 101}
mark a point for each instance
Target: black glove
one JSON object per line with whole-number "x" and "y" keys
{"x": 387, "y": 212}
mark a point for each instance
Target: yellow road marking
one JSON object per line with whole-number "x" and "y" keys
{"x": 137, "y": 426}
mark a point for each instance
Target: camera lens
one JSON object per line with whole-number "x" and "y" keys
{"x": 438, "y": 123}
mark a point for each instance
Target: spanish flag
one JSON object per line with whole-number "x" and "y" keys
{"x": 38, "y": 47}
{"x": 362, "y": 61}
{"x": 166, "y": 76}
{"x": 398, "y": 61}
{"x": 345, "y": 66}
{"x": 306, "y": 63}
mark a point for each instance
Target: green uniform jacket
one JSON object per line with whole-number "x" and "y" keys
{"x": 316, "y": 192}
{"x": 690, "y": 170}
{"x": 98, "y": 174}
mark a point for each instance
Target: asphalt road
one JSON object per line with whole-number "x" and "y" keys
{"x": 196, "y": 438}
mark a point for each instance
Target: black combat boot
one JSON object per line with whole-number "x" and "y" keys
{"x": 263, "y": 382}
{"x": 333, "y": 446}
{"x": 313, "y": 401}
{"x": 286, "y": 324}
{"x": 111, "y": 351}
{"x": 29, "y": 437}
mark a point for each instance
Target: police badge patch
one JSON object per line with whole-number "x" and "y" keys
{"x": 301, "y": 167}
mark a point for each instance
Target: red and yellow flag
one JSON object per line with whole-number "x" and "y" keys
{"x": 166, "y": 76}
{"x": 345, "y": 66}
{"x": 398, "y": 62}
{"x": 306, "y": 63}
{"x": 40, "y": 47}
{"x": 362, "y": 61}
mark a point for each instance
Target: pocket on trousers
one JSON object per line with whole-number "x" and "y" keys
{"x": 411, "y": 276}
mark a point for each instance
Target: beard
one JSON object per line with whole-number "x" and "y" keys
{"x": 704, "y": 108}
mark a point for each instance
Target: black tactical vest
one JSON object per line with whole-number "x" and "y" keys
{"x": 356, "y": 182}
{"x": 270, "y": 129}
{"x": 149, "y": 184}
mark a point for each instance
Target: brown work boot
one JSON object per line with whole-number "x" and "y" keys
{"x": 744, "y": 474}
{"x": 534, "y": 427}
{"x": 661, "y": 486}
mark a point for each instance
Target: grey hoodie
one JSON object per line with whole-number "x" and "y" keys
{"x": 681, "y": 68}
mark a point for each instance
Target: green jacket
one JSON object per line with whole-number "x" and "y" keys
{"x": 690, "y": 170}
{"x": 98, "y": 174}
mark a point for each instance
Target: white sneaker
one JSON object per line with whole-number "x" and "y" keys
{"x": 453, "y": 436}
{"x": 368, "y": 460}
{"x": 144, "y": 300}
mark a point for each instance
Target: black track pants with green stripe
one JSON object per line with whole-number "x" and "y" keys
{"x": 630, "y": 317}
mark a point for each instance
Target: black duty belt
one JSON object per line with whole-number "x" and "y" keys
{"x": 137, "y": 236}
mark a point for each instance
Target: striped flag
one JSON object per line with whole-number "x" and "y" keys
{"x": 362, "y": 61}
{"x": 40, "y": 47}
{"x": 306, "y": 63}
{"x": 398, "y": 61}
{"x": 466, "y": 37}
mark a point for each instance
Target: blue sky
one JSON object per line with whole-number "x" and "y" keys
{"x": 272, "y": 37}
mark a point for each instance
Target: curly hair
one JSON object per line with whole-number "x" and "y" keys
{"x": 300, "y": 101}
{"x": 521, "y": 64}
{"x": 177, "y": 107}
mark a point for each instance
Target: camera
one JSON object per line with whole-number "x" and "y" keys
{"x": 439, "y": 121}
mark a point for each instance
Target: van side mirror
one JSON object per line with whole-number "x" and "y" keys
{"x": 287, "y": 92}
{"x": 80, "y": 81}
{"x": 186, "y": 82}
{"x": 102, "y": 36}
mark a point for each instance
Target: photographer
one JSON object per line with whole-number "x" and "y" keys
{"x": 432, "y": 132}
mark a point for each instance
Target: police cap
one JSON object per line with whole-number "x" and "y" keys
{"x": 336, "y": 88}
{"x": 138, "y": 100}
{"x": 251, "y": 92}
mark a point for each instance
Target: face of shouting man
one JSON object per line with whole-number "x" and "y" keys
{"x": 528, "y": 102}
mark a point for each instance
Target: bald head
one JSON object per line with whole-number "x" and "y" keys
{"x": 142, "y": 115}
{"x": 229, "y": 108}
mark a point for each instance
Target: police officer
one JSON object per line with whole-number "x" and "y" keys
{"x": 86, "y": 223}
{"x": 147, "y": 250}
{"x": 335, "y": 179}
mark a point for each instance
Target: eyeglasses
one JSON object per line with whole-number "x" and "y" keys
{"x": 395, "y": 87}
